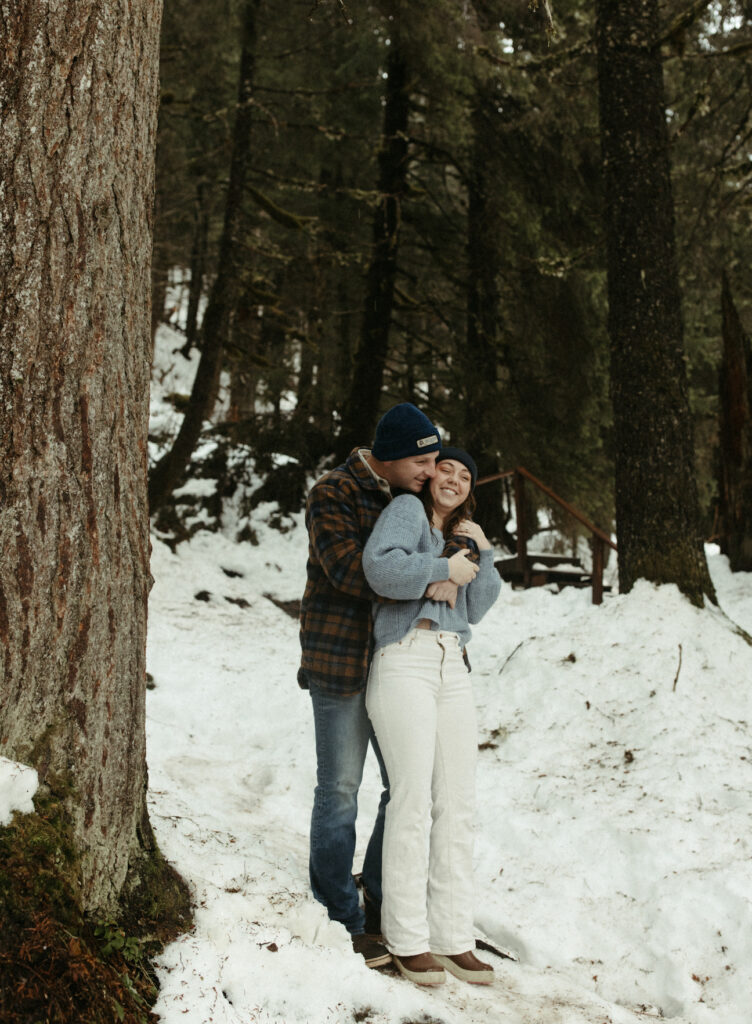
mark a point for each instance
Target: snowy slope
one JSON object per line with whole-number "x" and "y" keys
{"x": 613, "y": 847}
{"x": 613, "y": 825}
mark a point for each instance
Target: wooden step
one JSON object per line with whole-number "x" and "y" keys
{"x": 562, "y": 570}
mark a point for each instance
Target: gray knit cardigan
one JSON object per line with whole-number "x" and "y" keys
{"x": 402, "y": 556}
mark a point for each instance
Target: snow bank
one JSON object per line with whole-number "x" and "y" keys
{"x": 615, "y": 813}
{"x": 18, "y": 784}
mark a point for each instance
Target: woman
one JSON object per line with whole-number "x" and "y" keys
{"x": 420, "y": 701}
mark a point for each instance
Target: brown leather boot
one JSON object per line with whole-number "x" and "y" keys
{"x": 422, "y": 968}
{"x": 467, "y": 967}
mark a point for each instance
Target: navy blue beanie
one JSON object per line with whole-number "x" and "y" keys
{"x": 404, "y": 431}
{"x": 460, "y": 455}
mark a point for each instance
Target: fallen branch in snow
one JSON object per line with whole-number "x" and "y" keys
{"x": 678, "y": 670}
{"x": 511, "y": 656}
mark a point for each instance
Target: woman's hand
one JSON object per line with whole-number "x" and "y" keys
{"x": 460, "y": 570}
{"x": 468, "y": 528}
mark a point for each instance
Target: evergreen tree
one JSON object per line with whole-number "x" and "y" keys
{"x": 217, "y": 322}
{"x": 735, "y": 454}
{"x": 497, "y": 308}
{"x": 78, "y": 90}
{"x": 657, "y": 511}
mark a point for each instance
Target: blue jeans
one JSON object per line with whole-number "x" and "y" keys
{"x": 343, "y": 732}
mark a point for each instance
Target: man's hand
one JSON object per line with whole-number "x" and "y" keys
{"x": 462, "y": 571}
{"x": 444, "y": 590}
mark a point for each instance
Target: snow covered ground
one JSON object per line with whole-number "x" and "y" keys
{"x": 613, "y": 851}
{"x": 614, "y": 824}
{"x": 614, "y": 817}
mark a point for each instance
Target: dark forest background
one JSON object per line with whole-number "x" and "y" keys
{"x": 380, "y": 202}
{"x": 529, "y": 217}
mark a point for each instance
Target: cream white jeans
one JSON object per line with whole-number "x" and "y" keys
{"x": 420, "y": 702}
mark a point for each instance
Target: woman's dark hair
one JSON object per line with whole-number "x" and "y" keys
{"x": 463, "y": 511}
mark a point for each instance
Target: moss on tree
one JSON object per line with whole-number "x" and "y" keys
{"x": 57, "y": 964}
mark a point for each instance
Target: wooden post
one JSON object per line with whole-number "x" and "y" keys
{"x": 597, "y": 573}
{"x": 521, "y": 513}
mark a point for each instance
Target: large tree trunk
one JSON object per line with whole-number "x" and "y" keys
{"x": 481, "y": 354}
{"x": 735, "y": 454}
{"x": 361, "y": 409}
{"x": 78, "y": 94}
{"x": 217, "y": 322}
{"x": 484, "y": 227}
{"x": 657, "y": 510}
{"x": 198, "y": 268}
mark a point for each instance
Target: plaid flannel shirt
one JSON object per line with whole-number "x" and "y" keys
{"x": 335, "y": 613}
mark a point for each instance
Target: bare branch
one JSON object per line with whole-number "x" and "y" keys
{"x": 277, "y": 213}
{"x": 681, "y": 22}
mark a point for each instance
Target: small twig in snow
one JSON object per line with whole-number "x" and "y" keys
{"x": 511, "y": 656}
{"x": 678, "y": 670}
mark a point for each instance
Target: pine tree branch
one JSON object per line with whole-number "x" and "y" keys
{"x": 446, "y": 157}
{"x": 673, "y": 31}
{"x": 548, "y": 16}
{"x": 740, "y": 50}
{"x": 366, "y": 195}
{"x": 277, "y": 213}
{"x": 340, "y": 6}
{"x": 584, "y": 47}
{"x": 369, "y": 84}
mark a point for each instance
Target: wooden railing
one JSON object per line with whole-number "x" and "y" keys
{"x": 599, "y": 538}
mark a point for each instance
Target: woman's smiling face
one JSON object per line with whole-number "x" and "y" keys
{"x": 450, "y": 486}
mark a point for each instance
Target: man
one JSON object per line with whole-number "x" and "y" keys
{"x": 335, "y": 635}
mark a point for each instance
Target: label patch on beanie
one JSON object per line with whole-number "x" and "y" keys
{"x": 424, "y": 441}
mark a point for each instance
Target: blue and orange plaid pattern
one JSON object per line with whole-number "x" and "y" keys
{"x": 335, "y": 613}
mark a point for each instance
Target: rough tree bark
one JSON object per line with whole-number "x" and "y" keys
{"x": 217, "y": 322}
{"x": 735, "y": 454}
{"x": 198, "y": 268}
{"x": 657, "y": 509}
{"x": 361, "y": 409}
{"x": 484, "y": 226}
{"x": 78, "y": 95}
{"x": 480, "y": 357}
{"x": 158, "y": 298}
